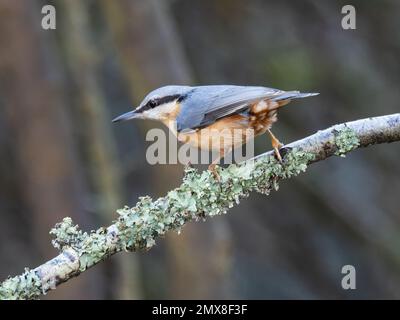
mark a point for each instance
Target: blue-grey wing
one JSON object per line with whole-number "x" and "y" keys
{"x": 206, "y": 104}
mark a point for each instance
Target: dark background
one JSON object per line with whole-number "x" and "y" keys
{"x": 61, "y": 156}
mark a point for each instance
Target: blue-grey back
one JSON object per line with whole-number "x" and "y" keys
{"x": 205, "y": 104}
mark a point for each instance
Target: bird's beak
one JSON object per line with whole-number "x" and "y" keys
{"x": 128, "y": 116}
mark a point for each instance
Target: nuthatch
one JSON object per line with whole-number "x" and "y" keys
{"x": 195, "y": 114}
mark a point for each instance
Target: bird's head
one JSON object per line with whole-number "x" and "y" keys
{"x": 160, "y": 104}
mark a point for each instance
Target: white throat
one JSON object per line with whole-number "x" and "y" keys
{"x": 164, "y": 112}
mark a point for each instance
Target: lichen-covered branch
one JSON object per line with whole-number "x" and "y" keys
{"x": 198, "y": 197}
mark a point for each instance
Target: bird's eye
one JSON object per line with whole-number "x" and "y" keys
{"x": 152, "y": 104}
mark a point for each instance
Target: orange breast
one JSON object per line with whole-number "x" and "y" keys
{"x": 231, "y": 132}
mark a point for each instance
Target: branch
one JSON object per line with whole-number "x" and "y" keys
{"x": 199, "y": 196}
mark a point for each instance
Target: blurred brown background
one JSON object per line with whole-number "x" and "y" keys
{"x": 61, "y": 156}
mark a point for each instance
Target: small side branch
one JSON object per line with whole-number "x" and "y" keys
{"x": 198, "y": 197}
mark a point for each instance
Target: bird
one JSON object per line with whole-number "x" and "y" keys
{"x": 196, "y": 114}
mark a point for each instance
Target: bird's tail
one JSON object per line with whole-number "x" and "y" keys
{"x": 284, "y": 98}
{"x": 288, "y": 95}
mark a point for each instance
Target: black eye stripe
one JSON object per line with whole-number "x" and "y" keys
{"x": 166, "y": 99}
{"x": 159, "y": 101}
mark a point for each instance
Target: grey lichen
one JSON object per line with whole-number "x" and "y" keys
{"x": 23, "y": 287}
{"x": 346, "y": 140}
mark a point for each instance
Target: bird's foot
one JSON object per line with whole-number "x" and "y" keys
{"x": 278, "y": 155}
{"x": 283, "y": 151}
{"x": 189, "y": 165}
{"x": 213, "y": 169}
{"x": 276, "y": 145}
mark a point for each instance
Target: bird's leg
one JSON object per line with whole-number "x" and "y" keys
{"x": 212, "y": 166}
{"x": 276, "y": 145}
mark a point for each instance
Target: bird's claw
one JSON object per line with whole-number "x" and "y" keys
{"x": 189, "y": 165}
{"x": 278, "y": 155}
{"x": 213, "y": 169}
{"x": 283, "y": 151}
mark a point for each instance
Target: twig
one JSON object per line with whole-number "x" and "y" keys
{"x": 198, "y": 197}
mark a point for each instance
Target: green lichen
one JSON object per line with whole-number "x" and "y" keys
{"x": 91, "y": 248}
{"x": 346, "y": 140}
{"x": 23, "y": 287}
{"x": 66, "y": 234}
{"x": 199, "y": 196}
